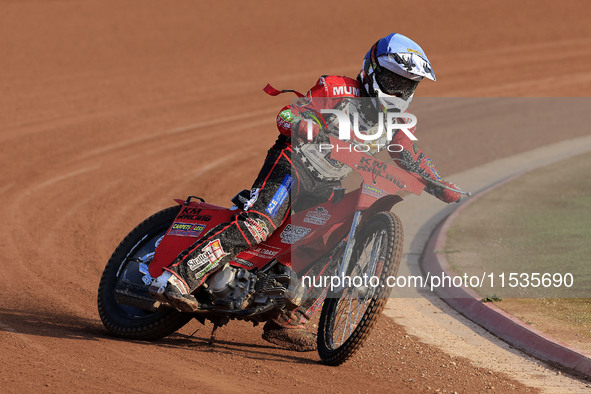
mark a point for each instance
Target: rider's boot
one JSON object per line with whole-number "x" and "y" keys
{"x": 170, "y": 289}
{"x": 287, "y": 332}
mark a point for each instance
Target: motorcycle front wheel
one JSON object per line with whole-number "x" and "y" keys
{"x": 123, "y": 320}
{"x": 348, "y": 316}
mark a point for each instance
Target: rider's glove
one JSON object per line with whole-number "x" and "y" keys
{"x": 443, "y": 194}
{"x": 293, "y": 122}
{"x": 427, "y": 169}
{"x": 301, "y": 129}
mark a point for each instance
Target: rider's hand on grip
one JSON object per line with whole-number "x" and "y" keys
{"x": 444, "y": 194}
{"x": 302, "y": 129}
{"x": 447, "y": 195}
{"x": 426, "y": 168}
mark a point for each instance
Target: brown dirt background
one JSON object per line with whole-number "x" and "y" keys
{"x": 109, "y": 109}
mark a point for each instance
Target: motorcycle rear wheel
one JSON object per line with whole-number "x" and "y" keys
{"x": 347, "y": 318}
{"x": 123, "y": 320}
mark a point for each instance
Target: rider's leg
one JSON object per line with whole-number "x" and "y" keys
{"x": 271, "y": 205}
{"x": 288, "y": 330}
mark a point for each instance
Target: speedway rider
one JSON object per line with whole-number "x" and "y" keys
{"x": 392, "y": 69}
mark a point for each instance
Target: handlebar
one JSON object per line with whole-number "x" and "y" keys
{"x": 407, "y": 167}
{"x": 434, "y": 182}
{"x": 442, "y": 185}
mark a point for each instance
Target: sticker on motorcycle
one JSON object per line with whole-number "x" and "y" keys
{"x": 264, "y": 251}
{"x": 280, "y": 195}
{"x": 292, "y": 234}
{"x": 186, "y": 229}
{"x": 319, "y": 216}
{"x": 243, "y": 262}
{"x": 373, "y": 191}
{"x": 190, "y": 213}
{"x": 212, "y": 254}
{"x": 380, "y": 169}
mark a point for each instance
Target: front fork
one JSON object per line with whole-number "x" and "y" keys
{"x": 349, "y": 249}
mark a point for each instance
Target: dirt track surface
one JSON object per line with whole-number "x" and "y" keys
{"x": 110, "y": 109}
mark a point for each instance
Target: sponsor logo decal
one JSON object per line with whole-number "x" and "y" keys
{"x": 186, "y": 229}
{"x": 318, "y": 217}
{"x": 373, "y": 191}
{"x": 258, "y": 229}
{"x": 345, "y": 90}
{"x": 209, "y": 259}
{"x": 280, "y": 195}
{"x": 286, "y": 115}
{"x": 283, "y": 123}
{"x": 292, "y": 234}
{"x": 243, "y": 262}
{"x": 194, "y": 214}
{"x": 380, "y": 169}
{"x": 264, "y": 251}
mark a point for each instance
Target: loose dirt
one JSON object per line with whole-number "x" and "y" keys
{"x": 110, "y": 110}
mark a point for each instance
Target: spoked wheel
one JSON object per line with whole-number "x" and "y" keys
{"x": 347, "y": 317}
{"x": 137, "y": 247}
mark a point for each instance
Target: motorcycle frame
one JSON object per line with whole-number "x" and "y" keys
{"x": 378, "y": 191}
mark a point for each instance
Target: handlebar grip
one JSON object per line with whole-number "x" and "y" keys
{"x": 440, "y": 184}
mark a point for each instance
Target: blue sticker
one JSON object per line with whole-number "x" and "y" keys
{"x": 280, "y": 196}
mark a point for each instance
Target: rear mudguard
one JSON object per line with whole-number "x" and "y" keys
{"x": 194, "y": 220}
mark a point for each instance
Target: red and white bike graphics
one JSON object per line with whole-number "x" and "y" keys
{"x": 354, "y": 233}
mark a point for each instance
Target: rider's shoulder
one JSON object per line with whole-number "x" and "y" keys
{"x": 339, "y": 86}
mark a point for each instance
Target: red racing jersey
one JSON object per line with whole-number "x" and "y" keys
{"x": 326, "y": 94}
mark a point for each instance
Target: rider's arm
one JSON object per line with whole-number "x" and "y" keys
{"x": 290, "y": 120}
{"x": 412, "y": 158}
{"x": 290, "y": 123}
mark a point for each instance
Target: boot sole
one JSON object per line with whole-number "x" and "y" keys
{"x": 179, "y": 303}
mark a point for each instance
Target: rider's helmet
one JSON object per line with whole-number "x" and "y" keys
{"x": 393, "y": 68}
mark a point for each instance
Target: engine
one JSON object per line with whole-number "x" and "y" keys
{"x": 233, "y": 288}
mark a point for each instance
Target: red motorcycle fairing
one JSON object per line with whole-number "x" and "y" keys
{"x": 197, "y": 218}
{"x": 307, "y": 234}
{"x": 194, "y": 220}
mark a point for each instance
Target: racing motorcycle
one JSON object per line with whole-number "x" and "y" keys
{"x": 353, "y": 234}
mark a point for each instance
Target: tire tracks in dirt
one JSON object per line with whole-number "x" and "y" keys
{"x": 86, "y": 155}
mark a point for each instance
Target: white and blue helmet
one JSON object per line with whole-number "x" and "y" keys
{"x": 393, "y": 68}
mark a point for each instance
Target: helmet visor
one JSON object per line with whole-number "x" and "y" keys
{"x": 394, "y": 84}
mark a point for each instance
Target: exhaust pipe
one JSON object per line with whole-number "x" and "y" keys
{"x": 135, "y": 295}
